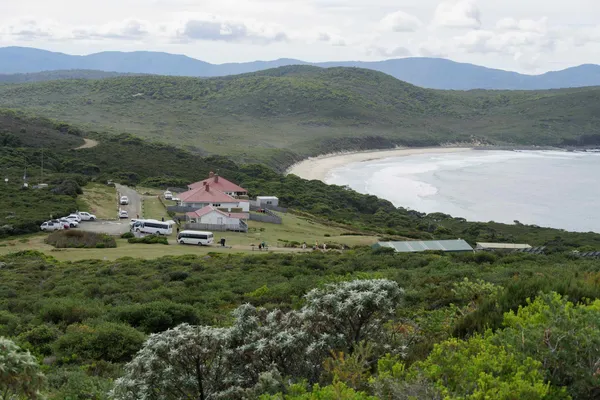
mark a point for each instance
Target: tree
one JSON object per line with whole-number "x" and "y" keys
{"x": 19, "y": 373}
{"x": 187, "y": 362}
{"x": 347, "y": 313}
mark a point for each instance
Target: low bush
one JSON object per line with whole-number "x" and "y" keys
{"x": 150, "y": 239}
{"x": 107, "y": 341}
{"x": 155, "y": 317}
{"x": 69, "y": 310}
{"x": 127, "y": 235}
{"x": 80, "y": 239}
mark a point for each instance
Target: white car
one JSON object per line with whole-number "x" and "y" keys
{"x": 123, "y": 214}
{"x": 72, "y": 222}
{"x": 168, "y": 195}
{"x": 50, "y": 226}
{"x": 87, "y": 216}
{"x": 124, "y": 200}
{"x": 74, "y": 217}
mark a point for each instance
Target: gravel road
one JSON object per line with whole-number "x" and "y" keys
{"x": 116, "y": 226}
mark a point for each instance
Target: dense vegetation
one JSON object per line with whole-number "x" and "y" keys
{"x": 310, "y": 110}
{"x": 58, "y": 75}
{"x": 86, "y": 319}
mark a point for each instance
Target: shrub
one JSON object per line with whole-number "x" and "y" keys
{"x": 20, "y": 374}
{"x": 8, "y": 323}
{"x": 80, "y": 239}
{"x": 107, "y": 341}
{"x": 40, "y": 338}
{"x": 150, "y": 239}
{"x": 69, "y": 310}
{"x": 157, "y": 316}
{"x": 127, "y": 235}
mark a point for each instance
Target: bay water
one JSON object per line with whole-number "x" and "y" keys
{"x": 546, "y": 188}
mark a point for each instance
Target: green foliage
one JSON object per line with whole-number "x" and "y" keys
{"x": 149, "y": 239}
{"x": 106, "y": 341}
{"x": 127, "y": 235}
{"x": 336, "y": 391}
{"x": 20, "y": 375}
{"x": 69, "y": 310}
{"x": 156, "y": 316}
{"x": 80, "y": 239}
{"x": 476, "y": 369}
{"x": 564, "y": 337}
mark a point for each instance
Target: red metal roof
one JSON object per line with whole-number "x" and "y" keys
{"x": 220, "y": 183}
{"x": 206, "y": 194}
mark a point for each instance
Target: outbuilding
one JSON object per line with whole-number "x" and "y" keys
{"x": 501, "y": 247}
{"x": 265, "y": 201}
{"x": 416, "y": 246}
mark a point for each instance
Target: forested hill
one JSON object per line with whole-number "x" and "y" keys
{"x": 291, "y": 112}
{"x": 59, "y": 75}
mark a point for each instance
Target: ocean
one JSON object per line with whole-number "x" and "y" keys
{"x": 546, "y": 188}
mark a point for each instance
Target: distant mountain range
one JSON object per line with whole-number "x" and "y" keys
{"x": 432, "y": 73}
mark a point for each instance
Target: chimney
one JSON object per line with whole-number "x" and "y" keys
{"x": 216, "y": 178}
{"x": 211, "y": 174}
{"x": 207, "y": 187}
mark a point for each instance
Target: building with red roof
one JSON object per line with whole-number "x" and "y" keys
{"x": 218, "y": 182}
{"x": 213, "y": 216}
{"x": 207, "y": 195}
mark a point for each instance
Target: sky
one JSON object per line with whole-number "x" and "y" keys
{"x": 528, "y": 36}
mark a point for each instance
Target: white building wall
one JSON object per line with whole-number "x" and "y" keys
{"x": 218, "y": 218}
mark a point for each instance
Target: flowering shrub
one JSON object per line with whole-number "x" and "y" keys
{"x": 20, "y": 374}
{"x": 203, "y": 362}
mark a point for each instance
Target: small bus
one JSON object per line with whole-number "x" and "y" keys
{"x": 195, "y": 237}
{"x": 152, "y": 227}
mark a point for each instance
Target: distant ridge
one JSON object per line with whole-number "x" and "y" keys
{"x": 434, "y": 73}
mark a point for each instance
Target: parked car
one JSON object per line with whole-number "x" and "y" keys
{"x": 123, "y": 214}
{"x": 74, "y": 217}
{"x": 168, "y": 195}
{"x": 87, "y": 216}
{"x": 72, "y": 222}
{"x": 124, "y": 200}
{"x": 50, "y": 226}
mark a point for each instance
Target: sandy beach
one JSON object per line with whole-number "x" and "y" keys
{"x": 318, "y": 167}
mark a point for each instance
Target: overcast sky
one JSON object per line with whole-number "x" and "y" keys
{"x": 529, "y": 36}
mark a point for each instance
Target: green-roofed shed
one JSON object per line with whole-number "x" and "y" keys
{"x": 415, "y": 246}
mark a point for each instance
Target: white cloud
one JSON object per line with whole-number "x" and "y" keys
{"x": 528, "y": 25}
{"x": 457, "y": 14}
{"x": 394, "y": 52}
{"x": 123, "y": 30}
{"x": 400, "y": 21}
{"x": 215, "y": 28}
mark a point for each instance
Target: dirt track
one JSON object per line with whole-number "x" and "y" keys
{"x": 89, "y": 143}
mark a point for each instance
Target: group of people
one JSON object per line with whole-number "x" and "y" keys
{"x": 315, "y": 247}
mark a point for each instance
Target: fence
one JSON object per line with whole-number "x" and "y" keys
{"x": 270, "y": 217}
{"x": 181, "y": 209}
{"x": 241, "y": 227}
{"x": 254, "y": 206}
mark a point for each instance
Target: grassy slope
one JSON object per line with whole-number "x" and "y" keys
{"x": 308, "y": 111}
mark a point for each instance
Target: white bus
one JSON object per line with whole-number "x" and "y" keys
{"x": 195, "y": 237}
{"x": 152, "y": 227}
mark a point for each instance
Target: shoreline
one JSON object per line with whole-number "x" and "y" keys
{"x": 317, "y": 168}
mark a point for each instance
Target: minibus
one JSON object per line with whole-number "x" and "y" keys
{"x": 195, "y": 237}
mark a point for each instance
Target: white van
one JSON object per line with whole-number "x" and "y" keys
{"x": 168, "y": 195}
{"x": 195, "y": 237}
{"x": 152, "y": 227}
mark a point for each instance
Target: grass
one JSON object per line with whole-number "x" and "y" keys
{"x": 99, "y": 200}
{"x": 152, "y": 208}
{"x": 261, "y": 116}
{"x": 294, "y": 228}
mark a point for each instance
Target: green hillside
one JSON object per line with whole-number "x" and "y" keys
{"x": 306, "y": 110}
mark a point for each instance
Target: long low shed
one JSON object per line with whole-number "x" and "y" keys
{"x": 415, "y": 246}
